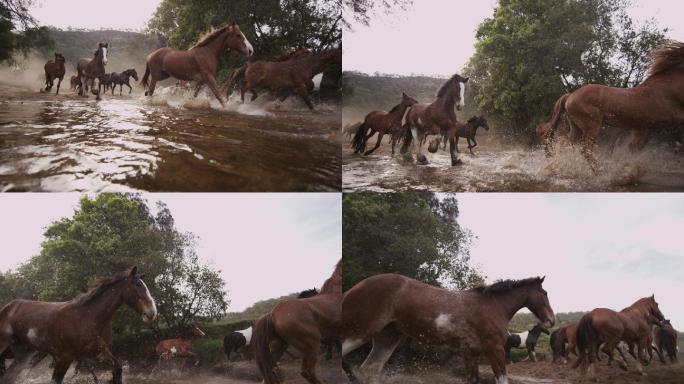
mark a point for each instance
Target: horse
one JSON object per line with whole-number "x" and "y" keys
{"x": 92, "y": 69}
{"x": 293, "y": 75}
{"x": 468, "y": 131}
{"x": 198, "y": 63}
{"x": 122, "y": 79}
{"x": 74, "y": 82}
{"x": 236, "y": 341}
{"x": 602, "y": 325}
{"x": 558, "y": 339}
{"x": 54, "y": 69}
{"x": 300, "y": 323}
{"x": 656, "y": 103}
{"x": 665, "y": 338}
{"x": 387, "y": 308}
{"x": 105, "y": 82}
{"x": 384, "y": 123}
{"x": 526, "y": 340}
{"x": 73, "y": 330}
{"x": 435, "y": 119}
{"x": 178, "y": 347}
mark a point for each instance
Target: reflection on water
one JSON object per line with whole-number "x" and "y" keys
{"x": 161, "y": 145}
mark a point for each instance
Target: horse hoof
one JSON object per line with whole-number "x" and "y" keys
{"x": 422, "y": 160}
{"x": 456, "y": 162}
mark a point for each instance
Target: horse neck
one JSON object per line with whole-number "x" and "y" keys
{"x": 217, "y": 45}
{"x": 104, "y": 306}
{"x": 447, "y": 103}
{"x": 316, "y": 62}
{"x": 637, "y": 310}
{"x": 334, "y": 283}
{"x": 510, "y": 302}
{"x": 398, "y": 114}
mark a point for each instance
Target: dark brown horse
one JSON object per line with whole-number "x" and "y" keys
{"x": 430, "y": 122}
{"x": 387, "y": 308}
{"x": 74, "y": 82}
{"x": 291, "y": 76}
{"x": 566, "y": 334}
{"x": 468, "y": 131}
{"x": 74, "y": 330}
{"x": 198, "y": 63}
{"x": 631, "y": 325}
{"x": 384, "y": 123}
{"x": 122, "y": 79}
{"x": 665, "y": 339}
{"x": 92, "y": 70}
{"x": 301, "y": 323}
{"x": 656, "y": 103}
{"x": 54, "y": 69}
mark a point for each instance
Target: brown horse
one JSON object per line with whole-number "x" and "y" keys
{"x": 432, "y": 121}
{"x": 559, "y": 338}
{"x": 656, "y": 103}
{"x": 467, "y": 131}
{"x": 631, "y": 325}
{"x": 54, "y": 69}
{"x": 171, "y": 348}
{"x": 79, "y": 329}
{"x": 74, "y": 82}
{"x": 293, "y": 75}
{"x": 92, "y": 70}
{"x": 198, "y": 63}
{"x": 301, "y": 323}
{"x": 384, "y": 123}
{"x": 665, "y": 338}
{"x": 386, "y": 308}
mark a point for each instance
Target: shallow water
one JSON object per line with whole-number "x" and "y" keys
{"x": 169, "y": 143}
{"x": 509, "y": 168}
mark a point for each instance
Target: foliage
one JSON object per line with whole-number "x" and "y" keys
{"x": 532, "y": 51}
{"x": 209, "y": 350}
{"x": 19, "y": 31}
{"x": 361, "y": 11}
{"x": 110, "y": 233}
{"x": 272, "y": 26}
{"x": 259, "y": 308}
{"x": 413, "y": 234}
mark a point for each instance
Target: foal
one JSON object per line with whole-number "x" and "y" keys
{"x": 122, "y": 79}
{"x": 383, "y": 123}
{"x": 468, "y": 130}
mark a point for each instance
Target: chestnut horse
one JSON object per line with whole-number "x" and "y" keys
{"x": 384, "y": 123}
{"x": 563, "y": 335}
{"x": 75, "y": 330}
{"x": 433, "y": 121}
{"x": 198, "y": 63}
{"x": 92, "y": 70}
{"x": 54, "y": 69}
{"x": 631, "y": 325}
{"x": 301, "y": 323}
{"x": 656, "y": 103}
{"x": 387, "y": 308}
{"x": 171, "y": 348}
{"x": 293, "y": 75}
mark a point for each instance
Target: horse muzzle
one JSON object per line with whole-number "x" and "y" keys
{"x": 149, "y": 316}
{"x": 549, "y": 322}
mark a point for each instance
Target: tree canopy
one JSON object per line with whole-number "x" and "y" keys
{"x": 530, "y": 52}
{"x": 19, "y": 31}
{"x": 413, "y": 234}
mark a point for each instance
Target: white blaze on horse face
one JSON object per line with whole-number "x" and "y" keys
{"x": 104, "y": 55}
{"x": 349, "y": 345}
{"x": 150, "y": 313}
{"x": 250, "y": 49}
{"x": 443, "y": 323}
{"x": 461, "y": 103}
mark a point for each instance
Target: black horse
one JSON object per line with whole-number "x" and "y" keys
{"x": 122, "y": 79}
{"x": 527, "y": 340}
{"x": 468, "y": 131}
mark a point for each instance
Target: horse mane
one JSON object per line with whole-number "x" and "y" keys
{"x": 210, "y": 36}
{"x": 666, "y": 57}
{"x": 503, "y": 286}
{"x": 395, "y": 108}
{"x": 102, "y": 284}
{"x": 445, "y": 87}
{"x": 334, "y": 282}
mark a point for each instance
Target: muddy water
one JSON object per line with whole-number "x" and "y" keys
{"x": 509, "y": 168}
{"x": 169, "y": 143}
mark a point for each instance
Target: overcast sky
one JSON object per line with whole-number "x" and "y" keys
{"x": 94, "y": 14}
{"x": 266, "y": 245}
{"x": 596, "y": 250}
{"x": 437, "y": 37}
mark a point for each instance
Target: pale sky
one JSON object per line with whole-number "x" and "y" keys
{"x": 437, "y": 37}
{"x": 266, "y": 245}
{"x": 596, "y": 250}
{"x": 94, "y": 14}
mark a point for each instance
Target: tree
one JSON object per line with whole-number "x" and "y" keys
{"x": 413, "y": 234}
{"x": 109, "y": 234}
{"x": 362, "y": 10}
{"x": 530, "y": 52}
{"x": 19, "y": 31}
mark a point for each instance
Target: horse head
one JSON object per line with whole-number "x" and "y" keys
{"x": 654, "y": 311}
{"x": 137, "y": 296}
{"x": 133, "y": 73}
{"x": 237, "y": 41}
{"x": 538, "y": 303}
{"x": 407, "y": 100}
{"x": 102, "y": 52}
{"x": 59, "y": 58}
{"x": 455, "y": 85}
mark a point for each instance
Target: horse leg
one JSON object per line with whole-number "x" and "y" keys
{"x": 452, "y": 150}
{"x": 198, "y": 88}
{"x": 420, "y": 158}
{"x": 21, "y": 357}
{"x": 497, "y": 359}
{"x": 531, "y": 354}
{"x": 213, "y": 85}
{"x": 301, "y": 90}
{"x": 130, "y": 89}
{"x": 59, "y": 83}
{"x": 384, "y": 344}
{"x": 309, "y": 359}
{"x": 473, "y": 145}
{"x": 62, "y": 365}
{"x": 84, "y": 86}
{"x": 377, "y": 143}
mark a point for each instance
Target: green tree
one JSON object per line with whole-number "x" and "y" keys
{"x": 19, "y": 31}
{"x": 413, "y": 234}
{"x": 532, "y": 51}
{"x": 362, "y": 11}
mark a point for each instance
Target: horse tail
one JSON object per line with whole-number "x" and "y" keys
{"x": 264, "y": 331}
{"x": 359, "y": 140}
{"x": 146, "y": 76}
{"x": 558, "y": 110}
{"x": 587, "y": 338}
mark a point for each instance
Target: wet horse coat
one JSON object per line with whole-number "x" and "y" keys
{"x": 387, "y": 308}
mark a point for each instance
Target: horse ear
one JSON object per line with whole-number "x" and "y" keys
{"x": 466, "y": 80}
{"x": 133, "y": 271}
{"x": 542, "y": 279}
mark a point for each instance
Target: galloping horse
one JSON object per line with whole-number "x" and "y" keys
{"x": 468, "y": 130}
{"x": 387, "y": 308}
{"x": 656, "y": 103}
{"x": 293, "y": 75}
{"x": 78, "y": 329}
{"x": 122, "y": 79}
{"x": 198, "y": 63}
{"x": 435, "y": 119}
{"x": 665, "y": 338}
{"x": 526, "y": 340}
{"x": 602, "y": 325}
{"x": 92, "y": 70}
{"x": 179, "y": 347}
{"x": 383, "y": 123}
{"x": 301, "y": 323}
{"x": 54, "y": 69}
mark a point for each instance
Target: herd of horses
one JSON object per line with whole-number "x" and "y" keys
{"x": 291, "y": 73}
{"x": 657, "y": 103}
{"x": 383, "y": 310}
